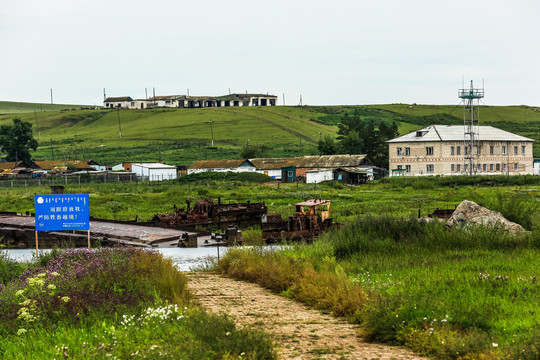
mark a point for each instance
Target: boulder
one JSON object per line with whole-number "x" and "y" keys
{"x": 469, "y": 212}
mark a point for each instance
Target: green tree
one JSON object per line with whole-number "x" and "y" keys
{"x": 16, "y": 141}
{"x": 359, "y": 134}
{"x": 327, "y": 145}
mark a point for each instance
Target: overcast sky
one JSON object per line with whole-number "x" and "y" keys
{"x": 330, "y": 52}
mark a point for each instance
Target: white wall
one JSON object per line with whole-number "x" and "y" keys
{"x": 319, "y": 176}
{"x": 154, "y": 174}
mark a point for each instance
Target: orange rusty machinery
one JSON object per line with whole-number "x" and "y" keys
{"x": 206, "y": 213}
{"x": 312, "y": 217}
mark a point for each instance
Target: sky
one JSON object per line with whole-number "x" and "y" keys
{"x": 340, "y": 52}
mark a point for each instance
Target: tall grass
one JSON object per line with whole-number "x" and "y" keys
{"x": 466, "y": 294}
{"x": 113, "y": 303}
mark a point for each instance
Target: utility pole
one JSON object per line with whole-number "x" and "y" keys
{"x": 119, "y": 127}
{"x": 37, "y": 125}
{"x": 51, "y": 100}
{"x": 211, "y": 132}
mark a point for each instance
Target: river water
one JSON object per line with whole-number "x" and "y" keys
{"x": 184, "y": 259}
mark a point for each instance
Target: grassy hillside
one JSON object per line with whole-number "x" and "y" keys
{"x": 181, "y": 136}
{"x": 11, "y": 107}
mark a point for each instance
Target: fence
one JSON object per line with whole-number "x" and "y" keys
{"x": 72, "y": 180}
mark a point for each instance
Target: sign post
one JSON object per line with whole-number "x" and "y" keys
{"x": 61, "y": 212}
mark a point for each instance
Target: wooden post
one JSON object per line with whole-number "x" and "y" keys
{"x": 37, "y": 249}
{"x": 89, "y": 246}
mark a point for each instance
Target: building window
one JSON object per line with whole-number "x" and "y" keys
{"x": 504, "y": 168}
{"x": 504, "y": 150}
{"x": 407, "y": 151}
{"x": 451, "y": 150}
{"x": 484, "y": 167}
{"x": 490, "y": 167}
{"x": 465, "y": 167}
{"x": 498, "y": 167}
{"x": 478, "y": 150}
{"x": 523, "y": 150}
{"x": 491, "y": 148}
{"x": 516, "y": 167}
{"x": 408, "y": 168}
{"x": 459, "y": 150}
{"x": 452, "y": 167}
{"x": 430, "y": 168}
{"x": 132, "y": 103}
{"x": 466, "y": 149}
{"x": 515, "y": 150}
{"x": 399, "y": 151}
{"x": 459, "y": 167}
{"x": 399, "y": 167}
{"x": 429, "y": 150}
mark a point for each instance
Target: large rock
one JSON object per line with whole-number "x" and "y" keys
{"x": 469, "y": 212}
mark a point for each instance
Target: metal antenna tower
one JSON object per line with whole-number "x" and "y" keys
{"x": 471, "y": 118}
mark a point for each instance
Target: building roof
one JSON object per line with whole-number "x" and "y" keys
{"x": 274, "y": 163}
{"x": 10, "y": 165}
{"x": 154, "y": 165}
{"x": 49, "y": 165}
{"x": 456, "y": 133}
{"x": 332, "y": 161}
{"x": 322, "y": 161}
{"x": 118, "y": 99}
{"x": 219, "y": 164}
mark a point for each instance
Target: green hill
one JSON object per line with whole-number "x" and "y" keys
{"x": 181, "y": 136}
{"x": 11, "y": 107}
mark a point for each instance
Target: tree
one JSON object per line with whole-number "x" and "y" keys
{"x": 16, "y": 141}
{"x": 366, "y": 135}
{"x": 327, "y": 145}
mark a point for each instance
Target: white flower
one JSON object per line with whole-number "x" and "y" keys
{"x": 494, "y": 344}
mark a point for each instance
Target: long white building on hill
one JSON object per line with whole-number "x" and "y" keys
{"x": 183, "y": 101}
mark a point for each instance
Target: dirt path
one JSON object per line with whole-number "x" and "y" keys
{"x": 299, "y": 332}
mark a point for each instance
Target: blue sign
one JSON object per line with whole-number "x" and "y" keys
{"x": 62, "y": 212}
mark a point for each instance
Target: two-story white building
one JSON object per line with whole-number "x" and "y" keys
{"x": 442, "y": 150}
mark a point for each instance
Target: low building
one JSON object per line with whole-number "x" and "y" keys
{"x": 183, "y": 101}
{"x": 243, "y": 165}
{"x": 122, "y": 102}
{"x": 60, "y": 166}
{"x": 441, "y": 150}
{"x": 154, "y": 171}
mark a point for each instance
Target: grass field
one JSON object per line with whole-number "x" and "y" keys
{"x": 181, "y": 136}
{"x": 462, "y": 294}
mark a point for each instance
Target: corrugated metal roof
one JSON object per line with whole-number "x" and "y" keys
{"x": 49, "y": 165}
{"x": 274, "y": 163}
{"x": 218, "y": 164}
{"x": 9, "y": 165}
{"x": 323, "y": 161}
{"x": 456, "y": 133}
{"x": 332, "y": 161}
{"x": 154, "y": 166}
{"x": 118, "y": 99}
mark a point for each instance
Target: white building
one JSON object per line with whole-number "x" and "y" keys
{"x": 442, "y": 150}
{"x": 154, "y": 171}
{"x": 320, "y": 175}
{"x": 221, "y": 166}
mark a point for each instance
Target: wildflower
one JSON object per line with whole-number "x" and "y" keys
{"x": 54, "y": 273}
{"x": 21, "y": 332}
{"x": 494, "y": 344}
{"x": 65, "y": 298}
{"x": 51, "y": 286}
{"x": 19, "y": 293}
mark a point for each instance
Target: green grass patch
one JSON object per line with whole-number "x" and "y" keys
{"x": 461, "y": 294}
{"x": 113, "y": 303}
